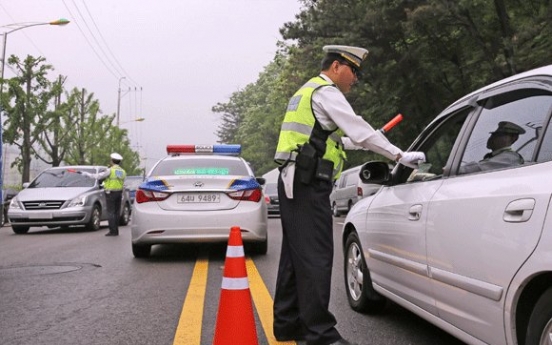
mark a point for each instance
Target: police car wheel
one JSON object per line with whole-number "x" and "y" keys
{"x": 257, "y": 247}
{"x": 141, "y": 250}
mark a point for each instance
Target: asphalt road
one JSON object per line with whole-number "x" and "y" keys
{"x": 78, "y": 287}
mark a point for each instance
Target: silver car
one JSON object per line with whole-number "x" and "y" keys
{"x": 197, "y": 194}
{"x": 271, "y": 198}
{"x": 61, "y": 197}
{"x": 465, "y": 240}
{"x": 348, "y": 190}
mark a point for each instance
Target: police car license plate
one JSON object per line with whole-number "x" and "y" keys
{"x": 198, "y": 198}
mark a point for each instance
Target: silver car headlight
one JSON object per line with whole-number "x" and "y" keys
{"x": 79, "y": 201}
{"x": 14, "y": 203}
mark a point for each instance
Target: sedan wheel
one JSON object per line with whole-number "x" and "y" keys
{"x": 95, "y": 218}
{"x": 4, "y": 216}
{"x": 335, "y": 212}
{"x": 125, "y": 216}
{"x": 20, "y": 229}
{"x": 539, "y": 330}
{"x": 360, "y": 293}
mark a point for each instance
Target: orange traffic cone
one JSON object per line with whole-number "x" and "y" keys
{"x": 235, "y": 319}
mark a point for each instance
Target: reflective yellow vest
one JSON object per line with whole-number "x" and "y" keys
{"x": 116, "y": 178}
{"x": 298, "y": 124}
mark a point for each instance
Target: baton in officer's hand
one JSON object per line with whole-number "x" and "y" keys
{"x": 391, "y": 124}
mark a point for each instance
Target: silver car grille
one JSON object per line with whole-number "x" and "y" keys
{"x": 43, "y": 205}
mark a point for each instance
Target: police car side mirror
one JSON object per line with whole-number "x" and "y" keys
{"x": 375, "y": 172}
{"x": 261, "y": 180}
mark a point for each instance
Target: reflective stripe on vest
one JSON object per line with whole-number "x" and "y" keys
{"x": 298, "y": 124}
{"x": 116, "y": 179}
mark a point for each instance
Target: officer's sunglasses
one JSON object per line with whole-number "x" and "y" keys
{"x": 355, "y": 70}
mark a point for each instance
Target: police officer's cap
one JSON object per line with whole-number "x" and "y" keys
{"x": 354, "y": 55}
{"x": 116, "y": 157}
{"x": 507, "y": 127}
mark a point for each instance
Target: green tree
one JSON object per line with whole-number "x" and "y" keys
{"x": 55, "y": 129}
{"x": 28, "y": 98}
{"x": 253, "y": 115}
{"x": 424, "y": 54}
{"x": 94, "y": 136}
{"x": 89, "y": 131}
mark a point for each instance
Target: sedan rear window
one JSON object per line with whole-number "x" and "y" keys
{"x": 198, "y": 166}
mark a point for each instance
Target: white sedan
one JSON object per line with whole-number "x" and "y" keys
{"x": 465, "y": 240}
{"x": 196, "y": 194}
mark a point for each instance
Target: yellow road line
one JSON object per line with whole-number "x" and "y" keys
{"x": 263, "y": 302}
{"x": 188, "y": 331}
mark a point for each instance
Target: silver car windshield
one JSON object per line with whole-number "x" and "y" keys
{"x": 63, "y": 178}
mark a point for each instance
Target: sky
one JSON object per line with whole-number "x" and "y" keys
{"x": 171, "y": 60}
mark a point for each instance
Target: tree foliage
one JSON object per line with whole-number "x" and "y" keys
{"x": 30, "y": 91}
{"x": 55, "y": 126}
{"x": 424, "y": 54}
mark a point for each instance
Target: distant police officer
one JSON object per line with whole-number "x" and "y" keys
{"x": 310, "y": 154}
{"x": 113, "y": 181}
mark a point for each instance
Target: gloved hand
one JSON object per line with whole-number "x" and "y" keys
{"x": 412, "y": 159}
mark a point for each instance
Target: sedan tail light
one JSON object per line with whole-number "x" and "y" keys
{"x": 247, "y": 195}
{"x": 359, "y": 191}
{"x": 148, "y": 195}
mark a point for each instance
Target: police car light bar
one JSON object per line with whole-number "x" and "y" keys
{"x": 221, "y": 149}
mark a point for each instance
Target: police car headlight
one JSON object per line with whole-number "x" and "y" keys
{"x": 79, "y": 201}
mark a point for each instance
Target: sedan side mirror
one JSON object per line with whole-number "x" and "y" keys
{"x": 375, "y": 172}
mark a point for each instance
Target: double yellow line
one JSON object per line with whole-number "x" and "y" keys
{"x": 188, "y": 331}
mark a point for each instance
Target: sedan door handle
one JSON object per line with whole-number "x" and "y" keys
{"x": 415, "y": 212}
{"x": 519, "y": 211}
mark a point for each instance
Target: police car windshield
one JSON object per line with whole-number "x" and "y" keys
{"x": 200, "y": 166}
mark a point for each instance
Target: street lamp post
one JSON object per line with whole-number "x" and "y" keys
{"x": 138, "y": 119}
{"x": 13, "y": 27}
{"x": 20, "y": 26}
{"x": 119, "y": 100}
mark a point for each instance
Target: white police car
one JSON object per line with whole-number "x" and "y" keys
{"x": 197, "y": 194}
{"x": 468, "y": 249}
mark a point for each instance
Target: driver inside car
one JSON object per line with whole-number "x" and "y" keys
{"x": 501, "y": 155}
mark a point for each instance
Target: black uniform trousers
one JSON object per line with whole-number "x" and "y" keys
{"x": 113, "y": 200}
{"x": 303, "y": 284}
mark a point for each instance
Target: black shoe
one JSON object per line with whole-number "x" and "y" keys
{"x": 291, "y": 338}
{"x": 110, "y": 234}
{"x": 343, "y": 342}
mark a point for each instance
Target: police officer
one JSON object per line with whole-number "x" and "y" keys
{"x": 310, "y": 154}
{"x": 113, "y": 181}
